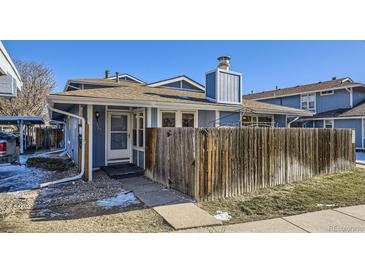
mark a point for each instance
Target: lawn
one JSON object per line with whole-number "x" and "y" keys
{"x": 317, "y": 193}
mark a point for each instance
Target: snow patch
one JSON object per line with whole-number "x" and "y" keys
{"x": 326, "y": 205}
{"x": 123, "y": 199}
{"x": 222, "y": 216}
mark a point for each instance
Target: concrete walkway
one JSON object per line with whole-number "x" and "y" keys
{"x": 176, "y": 208}
{"x": 339, "y": 220}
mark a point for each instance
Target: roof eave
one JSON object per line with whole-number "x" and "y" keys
{"x": 305, "y": 92}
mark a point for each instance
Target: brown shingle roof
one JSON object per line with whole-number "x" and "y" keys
{"x": 355, "y": 111}
{"x": 332, "y": 84}
{"x": 166, "y": 95}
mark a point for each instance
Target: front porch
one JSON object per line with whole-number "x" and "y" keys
{"x": 123, "y": 170}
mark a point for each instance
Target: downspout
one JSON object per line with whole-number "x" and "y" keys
{"x": 78, "y": 176}
{"x": 295, "y": 119}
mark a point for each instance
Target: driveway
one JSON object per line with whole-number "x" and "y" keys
{"x": 340, "y": 220}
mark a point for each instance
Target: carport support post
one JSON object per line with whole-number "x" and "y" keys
{"x": 21, "y": 137}
{"x": 90, "y": 117}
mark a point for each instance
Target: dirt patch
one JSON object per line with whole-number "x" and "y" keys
{"x": 100, "y": 206}
{"x": 317, "y": 193}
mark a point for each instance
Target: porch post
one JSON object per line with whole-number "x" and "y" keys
{"x": 90, "y": 116}
{"x": 217, "y": 119}
{"x": 149, "y": 118}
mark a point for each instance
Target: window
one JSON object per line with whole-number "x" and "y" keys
{"x": 328, "y": 123}
{"x": 168, "y": 119}
{"x": 138, "y": 129}
{"x": 308, "y": 101}
{"x": 265, "y": 121}
{"x": 246, "y": 120}
{"x": 257, "y": 121}
{"x": 187, "y": 119}
{"x": 327, "y": 92}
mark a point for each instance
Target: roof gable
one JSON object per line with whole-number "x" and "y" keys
{"x": 179, "y": 82}
{"x": 128, "y": 77}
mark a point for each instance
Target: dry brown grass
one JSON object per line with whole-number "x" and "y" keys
{"x": 317, "y": 193}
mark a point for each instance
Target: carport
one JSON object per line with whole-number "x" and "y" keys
{"x": 24, "y": 124}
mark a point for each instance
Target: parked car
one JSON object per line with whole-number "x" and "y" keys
{"x": 9, "y": 148}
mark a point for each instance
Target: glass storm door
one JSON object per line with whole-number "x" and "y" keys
{"x": 118, "y": 137}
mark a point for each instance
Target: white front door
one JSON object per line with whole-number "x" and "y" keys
{"x": 118, "y": 137}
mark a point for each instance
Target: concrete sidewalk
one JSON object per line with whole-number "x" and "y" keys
{"x": 339, "y": 220}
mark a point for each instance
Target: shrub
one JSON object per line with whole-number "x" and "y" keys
{"x": 57, "y": 164}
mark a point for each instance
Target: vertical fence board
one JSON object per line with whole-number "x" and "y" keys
{"x": 211, "y": 164}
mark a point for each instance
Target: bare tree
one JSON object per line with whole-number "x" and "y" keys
{"x": 38, "y": 81}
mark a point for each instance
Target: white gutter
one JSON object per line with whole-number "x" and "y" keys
{"x": 79, "y": 176}
{"x": 185, "y": 106}
{"x": 295, "y": 119}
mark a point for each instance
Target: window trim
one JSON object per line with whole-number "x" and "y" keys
{"x": 138, "y": 114}
{"x": 307, "y": 96}
{"x": 327, "y": 92}
{"x": 189, "y": 112}
{"x": 327, "y": 120}
{"x": 178, "y": 117}
{"x": 256, "y": 118}
{"x": 166, "y": 111}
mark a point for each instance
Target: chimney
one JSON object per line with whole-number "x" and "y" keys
{"x": 224, "y": 62}
{"x": 334, "y": 78}
{"x": 107, "y": 74}
{"x": 117, "y": 77}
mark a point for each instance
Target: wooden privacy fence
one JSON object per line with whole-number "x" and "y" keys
{"x": 213, "y": 163}
{"x": 47, "y": 138}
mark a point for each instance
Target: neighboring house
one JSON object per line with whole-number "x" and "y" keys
{"x": 10, "y": 81}
{"x": 338, "y": 103}
{"x": 119, "y": 109}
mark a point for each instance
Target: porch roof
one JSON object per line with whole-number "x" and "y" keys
{"x": 159, "y": 97}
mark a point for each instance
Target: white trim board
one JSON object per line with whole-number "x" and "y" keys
{"x": 134, "y": 103}
{"x": 128, "y": 76}
{"x": 331, "y": 118}
{"x": 177, "y": 79}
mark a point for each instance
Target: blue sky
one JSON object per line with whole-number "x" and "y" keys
{"x": 264, "y": 64}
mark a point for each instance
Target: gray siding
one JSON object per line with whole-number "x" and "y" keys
{"x": 173, "y": 85}
{"x": 141, "y": 159}
{"x": 289, "y": 101}
{"x": 229, "y": 87}
{"x": 280, "y": 120}
{"x": 354, "y": 124}
{"x": 358, "y": 96}
{"x": 318, "y": 123}
{"x": 227, "y": 118}
{"x": 153, "y": 117}
{"x": 340, "y": 99}
{"x": 307, "y": 124}
{"x": 206, "y": 118}
{"x": 210, "y": 82}
{"x": 135, "y": 157}
{"x": 186, "y": 85}
{"x": 99, "y": 137}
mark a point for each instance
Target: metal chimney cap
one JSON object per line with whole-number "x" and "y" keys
{"x": 224, "y": 62}
{"x": 224, "y": 58}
